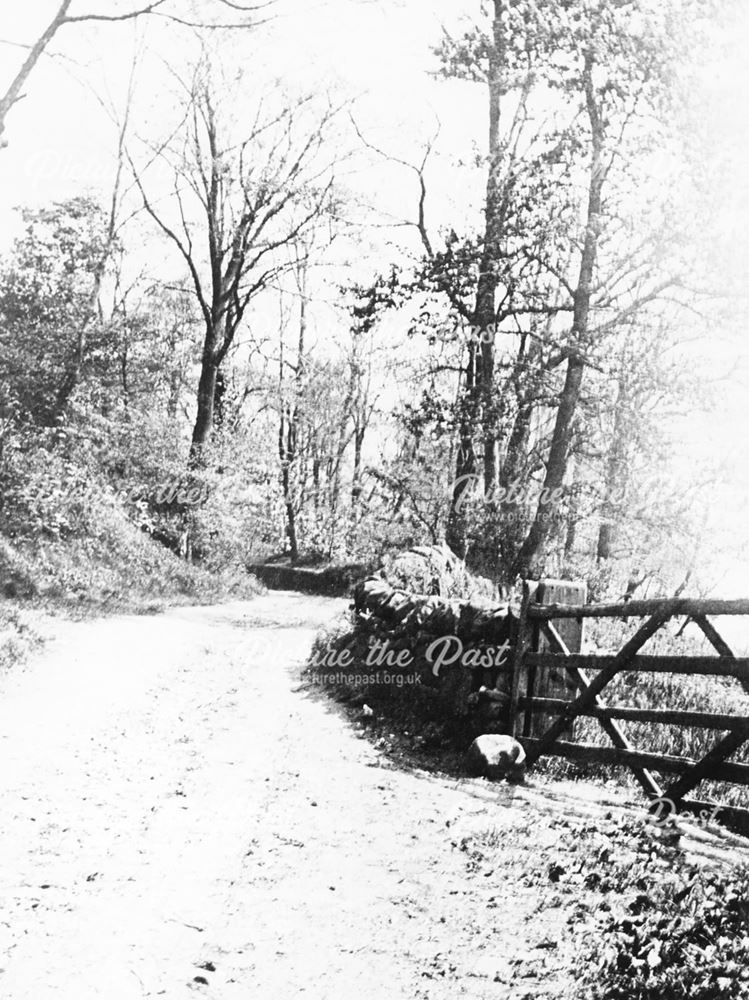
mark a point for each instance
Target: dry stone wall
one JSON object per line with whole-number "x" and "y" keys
{"x": 461, "y": 649}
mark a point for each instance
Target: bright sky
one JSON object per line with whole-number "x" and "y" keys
{"x": 377, "y": 51}
{"x": 60, "y": 138}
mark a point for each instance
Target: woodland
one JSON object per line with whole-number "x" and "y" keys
{"x": 235, "y": 316}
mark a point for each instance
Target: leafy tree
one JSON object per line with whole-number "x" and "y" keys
{"x": 50, "y": 317}
{"x": 238, "y": 204}
{"x": 558, "y": 273}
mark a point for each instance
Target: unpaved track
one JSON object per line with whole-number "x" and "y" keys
{"x": 180, "y": 819}
{"x": 171, "y": 799}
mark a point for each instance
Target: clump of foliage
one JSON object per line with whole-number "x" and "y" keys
{"x": 91, "y": 440}
{"x": 674, "y": 928}
{"x": 434, "y": 569}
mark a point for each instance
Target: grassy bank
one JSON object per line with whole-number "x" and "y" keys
{"x": 125, "y": 571}
{"x": 117, "y": 569}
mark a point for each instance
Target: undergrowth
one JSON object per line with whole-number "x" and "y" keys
{"x": 667, "y": 928}
{"x": 115, "y": 567}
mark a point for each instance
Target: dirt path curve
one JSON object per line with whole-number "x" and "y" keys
{"x": 179, "y": 819}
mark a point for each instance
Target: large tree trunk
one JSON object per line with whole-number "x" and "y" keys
{"x": 478, "y": 391}
{"x": 219, "y": 399}
{"x": 533, "y": 548}
{"x": 532, "y": 551}
{"x": 360, "y": 427}
{"x": 486, "y": 292}
{"x": 335, "y": 466}
{"x": 517, "y": 448}
{"x": 291, "y": 417}
{"x": 316, "y": 485}
{"x": 206, "y": 400}
{"x": 359, "y": 431}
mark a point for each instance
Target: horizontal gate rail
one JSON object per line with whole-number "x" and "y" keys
{"x": 734, "y": 816}
{"x": 674, "y": 717}
{"x": 718, "y": 666}
{"x": 737, "y": 774}
{"x": 673, "y": 607}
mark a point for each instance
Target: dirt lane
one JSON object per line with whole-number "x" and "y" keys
{"x": 128, "y": 752}
{"x": 180, "y": 819}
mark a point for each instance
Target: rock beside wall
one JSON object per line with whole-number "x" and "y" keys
{"x": 495, "y": 757}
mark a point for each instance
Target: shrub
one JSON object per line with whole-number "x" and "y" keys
{"x": 434, "y": 569}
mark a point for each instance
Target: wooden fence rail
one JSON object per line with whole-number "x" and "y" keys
{"x": 638, "y": 609}
{"x": 588, "y": 675}
{"x": 722, "y": 666}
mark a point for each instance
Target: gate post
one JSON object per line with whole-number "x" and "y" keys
{"x": 543, "y": 682}
{"x": 555, "y": 682}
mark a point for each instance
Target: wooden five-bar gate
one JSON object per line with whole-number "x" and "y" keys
{"x": 554, "y": 684}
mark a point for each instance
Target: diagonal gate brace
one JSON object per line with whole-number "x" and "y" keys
{"x": 587, "y": 697}
{"x": 649, "y": 784}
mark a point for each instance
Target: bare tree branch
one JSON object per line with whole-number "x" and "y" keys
{"x": 14, "y": 93}
{"x": 420, "y": 223}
